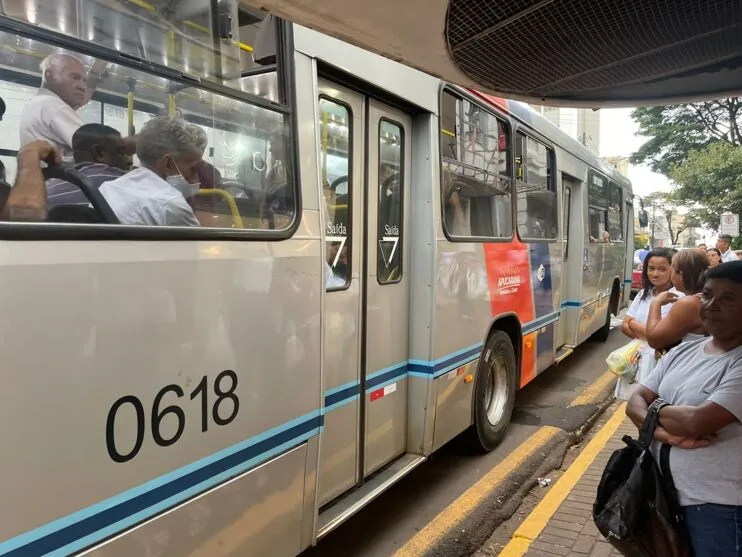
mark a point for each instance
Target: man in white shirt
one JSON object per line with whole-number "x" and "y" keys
{"x": 724, "y": 245}
{"x": 155, "y": 194}
{"x": 51, "y": 115}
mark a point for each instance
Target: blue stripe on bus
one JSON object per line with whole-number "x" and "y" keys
{"x": 341, "y": 393}
{"x": 541, "y": 322}
{"x": 385, "y": 376}
{"x": 348, "y": 392}
{"x": 101, "y": 520}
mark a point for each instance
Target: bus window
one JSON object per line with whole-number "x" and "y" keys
{"x": 537, "y": 198}
{"x": 615, "y": 212}
{"x": 476, "y": 188}
{"x": 449, "y": 137}
{"x": 185, "y": 36}
{"x": 597, "y": 200}
{"x": 391, "y": 194}
{"x": 335, "y": 125}
{"x": 246, "y": 176}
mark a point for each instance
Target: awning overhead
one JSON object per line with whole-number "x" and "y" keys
{"x": 558, "y": 52}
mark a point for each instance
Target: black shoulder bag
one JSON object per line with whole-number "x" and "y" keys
{"x": 636, "y": 508}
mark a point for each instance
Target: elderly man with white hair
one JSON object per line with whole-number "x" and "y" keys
{"x": 155, "y": 194}
{"x": 51, "y": 115}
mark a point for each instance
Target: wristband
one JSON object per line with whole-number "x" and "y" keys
{"x": 658, "y": 404}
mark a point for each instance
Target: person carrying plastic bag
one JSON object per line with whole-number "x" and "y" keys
{"x": 656, "y": 278}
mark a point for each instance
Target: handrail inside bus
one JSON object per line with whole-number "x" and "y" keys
{"x": 231, "y": 203}
{"x": 151, "y": 8}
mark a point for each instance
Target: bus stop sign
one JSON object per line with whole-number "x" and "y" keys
{"x": 730, "y": 224}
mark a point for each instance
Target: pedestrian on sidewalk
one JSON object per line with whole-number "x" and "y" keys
{"x": 714, "y": 256}
{"x": 656, "y": 278}
{"x": 724, "y": 245}
{"x": 683, "y": 321}
{"x": 700, "y": 387}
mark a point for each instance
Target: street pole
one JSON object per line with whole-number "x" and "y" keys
{"x": 653, "y": 221}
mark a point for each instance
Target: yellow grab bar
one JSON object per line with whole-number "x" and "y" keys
{"x": 197, "y": 26}
{"x": 236, "y": 218}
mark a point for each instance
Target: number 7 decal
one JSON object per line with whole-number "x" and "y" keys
{"x": 390, "y": 239}
{"x": 340, "y": 240}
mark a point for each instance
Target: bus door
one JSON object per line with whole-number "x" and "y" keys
{"x": 570, "y": 265}
{"x": 365, "y": 172}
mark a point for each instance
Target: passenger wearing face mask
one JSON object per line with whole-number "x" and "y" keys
{"x": 155, "y": 194}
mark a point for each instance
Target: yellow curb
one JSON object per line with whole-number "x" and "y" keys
{"x": 593, "y": 392}
{"x": 534, "y": 524}
{"x": 436, "y": 529}
{"x": 427, "y": 538}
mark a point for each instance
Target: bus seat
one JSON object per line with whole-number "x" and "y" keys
{"x": 74, "y": 213}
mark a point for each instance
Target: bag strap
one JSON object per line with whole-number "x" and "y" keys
{"x": 670, "y": 488}
{"x": 650, "y": 422}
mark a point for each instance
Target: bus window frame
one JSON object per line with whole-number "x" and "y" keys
{"x": 351, "y": 194}
{"x": 97, "y": 232}
{"x": 552, "y": 185}
{"x": 403, "y": 186}
{"x": 615, "y": 185}
{"x": 590, "y": 205}
{"x": 509, "y": 129}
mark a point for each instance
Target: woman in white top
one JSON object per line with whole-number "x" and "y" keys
{"x": 656, "y": 273}
{"x": 683, "y": 323}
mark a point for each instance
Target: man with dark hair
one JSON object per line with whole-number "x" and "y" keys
{"x": 724, "y": 245}
{"x": 100, "y": 155}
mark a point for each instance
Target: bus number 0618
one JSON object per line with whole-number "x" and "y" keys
{"x": 224, "y": 410}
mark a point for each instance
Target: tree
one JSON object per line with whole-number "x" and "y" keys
{"x": 711, "y": 179}
{"x": 665, "y": 206}
{"x": 675, "y": 131}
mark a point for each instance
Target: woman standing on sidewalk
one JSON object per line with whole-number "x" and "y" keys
{"x": 701, "y": 384}
{"x": 656, "y": 273}
{"x": 683, "y": 322}
{"x": 714, "y": 256}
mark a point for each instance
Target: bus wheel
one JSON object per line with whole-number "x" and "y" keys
{"x": 494, "y": 392}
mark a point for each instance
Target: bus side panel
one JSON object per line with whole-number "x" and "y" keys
{"x": 146, "y": 373}
{"x": 453, "y": 413}
{"x": 258, "y": 513}
{"x": 602, "y": 265}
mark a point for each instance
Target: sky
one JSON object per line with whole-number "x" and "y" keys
{"x": 618, "y": 138}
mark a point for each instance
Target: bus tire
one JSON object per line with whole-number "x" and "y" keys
{"x": 494, "y": 393}
{"x": 601, "y": 335}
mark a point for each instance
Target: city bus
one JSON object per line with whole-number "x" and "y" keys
{"x": 384, "y": 262}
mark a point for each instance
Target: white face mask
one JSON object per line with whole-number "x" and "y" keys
{"x": 182, "y": 185}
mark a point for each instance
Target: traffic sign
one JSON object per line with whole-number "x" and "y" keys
{"x": 730, "y": 224}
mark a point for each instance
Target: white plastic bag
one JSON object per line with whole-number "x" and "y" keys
{"x": 625, "y": 360}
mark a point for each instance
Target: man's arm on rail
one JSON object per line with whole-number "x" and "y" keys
{"x": 27, "y": 198}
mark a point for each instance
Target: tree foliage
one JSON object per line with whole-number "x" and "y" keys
{"x": 674, "y": 131}
{"x": 711, "y": 180}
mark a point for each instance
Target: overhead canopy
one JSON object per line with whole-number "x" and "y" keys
{"x": 591, "y": 53}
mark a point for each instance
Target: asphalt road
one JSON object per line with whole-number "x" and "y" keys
{"x": 388, "y": 523}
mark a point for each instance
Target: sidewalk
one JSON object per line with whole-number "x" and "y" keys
{"x": 562, "y": 524}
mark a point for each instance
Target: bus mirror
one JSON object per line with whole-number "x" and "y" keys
{"x": 643, "y": 218}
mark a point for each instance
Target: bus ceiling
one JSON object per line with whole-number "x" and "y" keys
{"x": 554, "y": 52}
